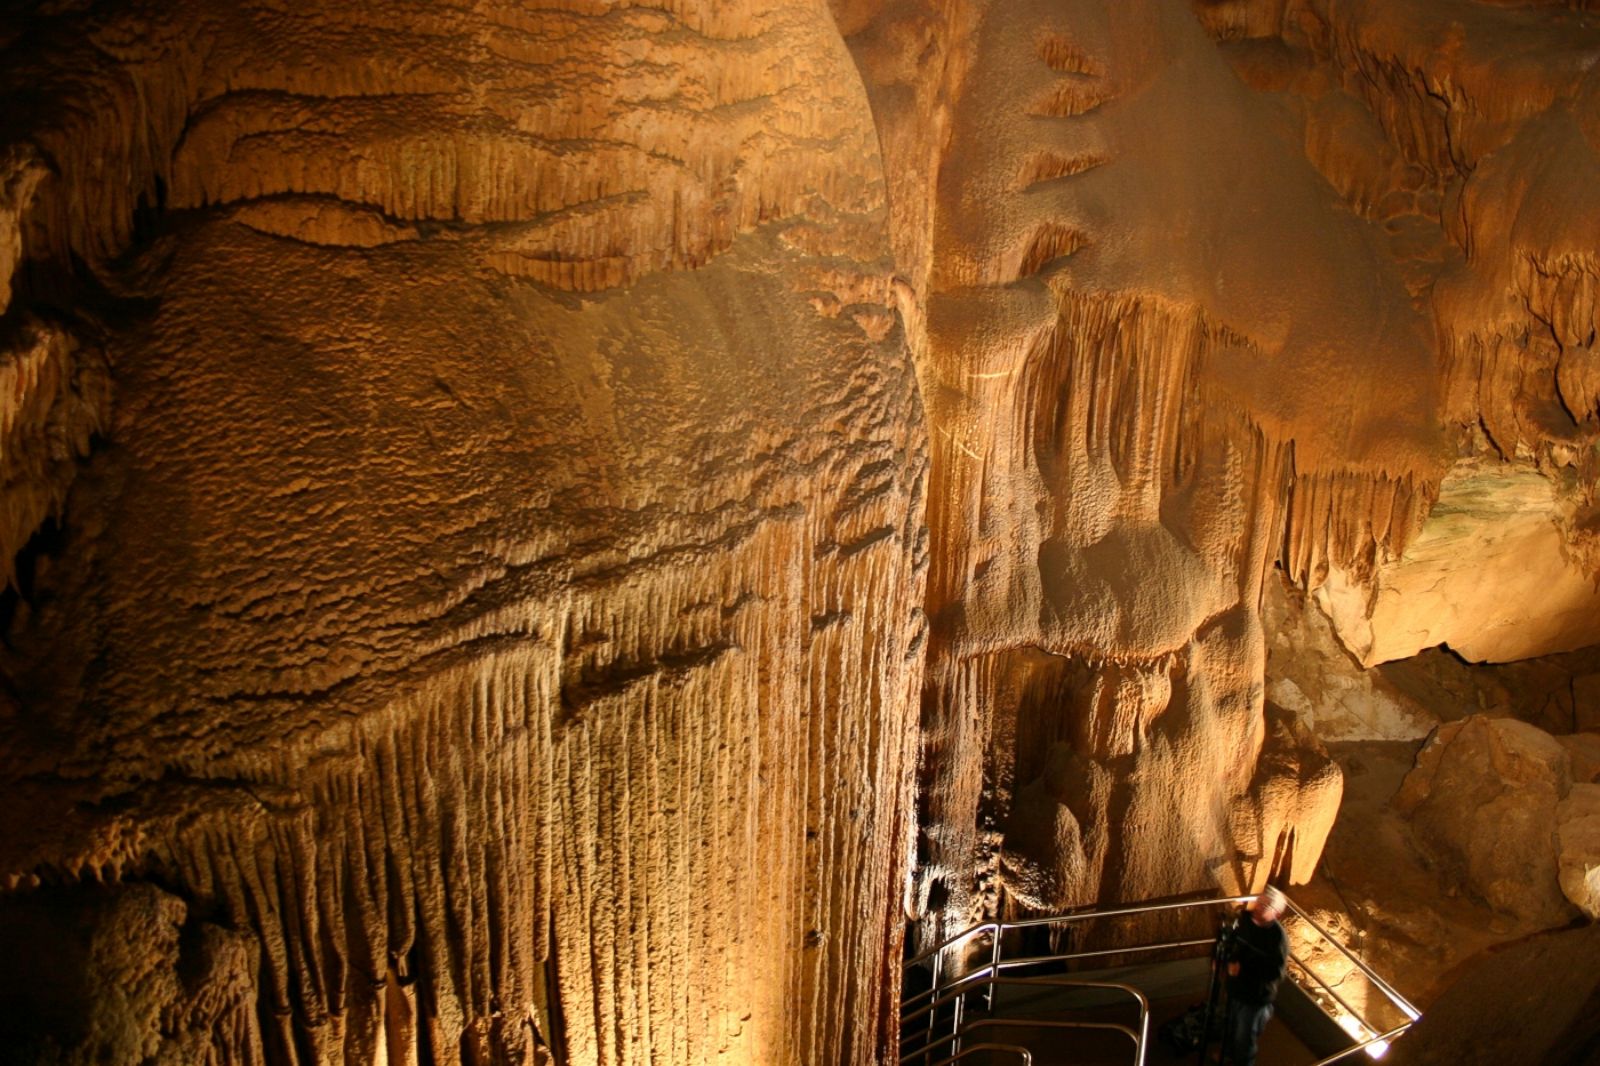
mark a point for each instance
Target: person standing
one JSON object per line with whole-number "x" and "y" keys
{"x": 1258, "y": 959}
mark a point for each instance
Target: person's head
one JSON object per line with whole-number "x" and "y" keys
{"x": 1266, "y": 908}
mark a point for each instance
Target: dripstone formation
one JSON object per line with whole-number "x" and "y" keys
{"x": 566, "y": 531}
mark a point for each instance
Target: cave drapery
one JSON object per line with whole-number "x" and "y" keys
{"x": 566, "y": 530}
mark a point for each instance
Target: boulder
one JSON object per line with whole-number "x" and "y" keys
{"x": 1578, "y": 847}
{"x": 1483, "y": 799}
{"x": 1583, "y": 749}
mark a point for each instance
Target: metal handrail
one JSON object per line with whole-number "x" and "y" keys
{"x": 1044, "y": 1023}
{"x": 1021, "y": 1052}
{"x": 1383, "y": 986}
{"x": 999, "y": 929}
{"x": 988, "y": 974}
{"x": 937, "y": 955}
{"x": 1037, "y": 960}
{"x": 1122, "y": 912}
{"x": 1325, "y": 986}
{"x": 983, "y": 979}
{"x": 1084, "y": 914}
{"x": 1352, "y": 1049}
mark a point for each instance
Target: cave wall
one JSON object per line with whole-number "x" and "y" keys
{"x": 495, "y": 583}
{"x": 553, "y": 529}
{"x": 1465, "y": 133}
{"x": 1131, "y": 420}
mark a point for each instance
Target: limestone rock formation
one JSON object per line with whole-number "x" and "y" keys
{"x": 1489, "y": 573}
{"x": 497, "y": 588}
{"x": 118, "y": 974}
{"x": 486, "y": 490}
{"x": 1310, "y": 672}
{"x": 1485, "y": 801}
{"x": 1477, "y": 160}
{"x": 1124, "y": 439}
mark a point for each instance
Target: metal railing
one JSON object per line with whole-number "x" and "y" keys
{"x": 928, "y": 1005}
{"x": 1023, "y": 1054}
{"x": 1400, "y": 1003}
{"x": 982, "y": 979}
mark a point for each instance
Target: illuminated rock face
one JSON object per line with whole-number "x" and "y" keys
{"x": 1124, "y": 438}
{"x": 1490, "y": 574}
{"x": 1311, "y": 673}
{"x": 477, "y": 476}
{"x": 1484, "y": 801}
{"x": 512, "y": 629}
{"x": 1477, "y": 160}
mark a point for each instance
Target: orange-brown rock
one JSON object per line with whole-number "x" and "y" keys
{"x": 1536, "y": 1000}
{"x": 100, "y": 974}
{"x": 1311, "y": 673}
{"x": 1477, "y": 159}
{"x": 1484, "y": 800}
{"x": 487, "y": 488}
{"x": 1490, "y": 574}
{"x": 1578, "y": 847}
{"x": 498, "y": 590}
{"x": 1131, "y": 420}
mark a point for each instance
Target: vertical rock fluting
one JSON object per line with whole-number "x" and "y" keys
{"x": 522, "y": 662}
{"x": 1150, "y": 329}
{"x": 492, "y": 605}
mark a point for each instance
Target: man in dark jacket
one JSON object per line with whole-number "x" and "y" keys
{"x": 1259, "y": 956}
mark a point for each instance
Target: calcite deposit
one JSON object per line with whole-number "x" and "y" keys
{"x": 1124, "y": 440}
{"x": 566, "y": 530}
{"x": 1465, "y": 131}
{"x": 497, "y": 589}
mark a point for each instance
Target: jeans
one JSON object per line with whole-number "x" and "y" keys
{"x": 1245, "y": 1022}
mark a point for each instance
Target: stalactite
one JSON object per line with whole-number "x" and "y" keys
{"x": 1346, "y": 520}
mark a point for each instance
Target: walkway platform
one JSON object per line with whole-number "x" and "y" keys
{"x": 1024, "y": 992}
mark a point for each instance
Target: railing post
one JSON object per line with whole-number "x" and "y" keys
{"x": 955, "y": 1040}
{"x": 994, "y": 965}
